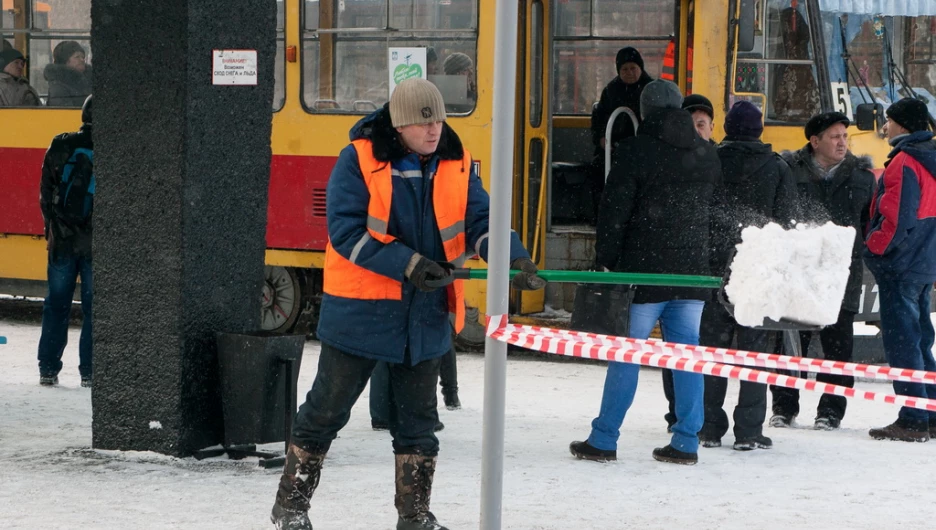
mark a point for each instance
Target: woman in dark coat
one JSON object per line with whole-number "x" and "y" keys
{"x": 69, "y": 76}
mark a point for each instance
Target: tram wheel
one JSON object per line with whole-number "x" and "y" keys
{"x": 281, "y": 299}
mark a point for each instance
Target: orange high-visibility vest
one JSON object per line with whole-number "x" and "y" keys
{"x": 450, "y": 201}
{"x": 668, "y": 72}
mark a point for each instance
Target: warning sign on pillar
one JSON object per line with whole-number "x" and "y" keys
{"x": 234, "y": 67}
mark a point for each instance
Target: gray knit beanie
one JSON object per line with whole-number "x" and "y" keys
{"x": 659, "y": 95}
{"x": 456, "y": 63}
{"x": 416, "y": 101}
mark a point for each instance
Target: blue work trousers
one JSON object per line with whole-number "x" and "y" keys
{"x": 907, "y": 333}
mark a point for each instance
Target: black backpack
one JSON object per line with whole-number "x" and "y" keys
{"x": 74, "y": 198}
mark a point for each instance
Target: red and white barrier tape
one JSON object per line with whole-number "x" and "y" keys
{"x": 670, "y": 355}
{"x": 747, "y": 358}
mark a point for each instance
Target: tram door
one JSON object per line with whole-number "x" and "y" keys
{"x": 532, "y": 143}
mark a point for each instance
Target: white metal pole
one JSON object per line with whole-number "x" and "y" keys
{"x": 495, "y": 352}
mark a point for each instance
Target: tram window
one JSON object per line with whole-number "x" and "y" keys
{"x": 345, "y": 47}
{"x": 588, "y": 34}
{"x": 781, "y": 66}
{"x": 868, "y": 74}
{"x": 536, "y": 65}
{"x": 584, "y": 67}
{"x": 279, "y": 69}
{"x": 54, "y": 36}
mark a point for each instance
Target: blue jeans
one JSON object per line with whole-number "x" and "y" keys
{"x": 907, "y": 332}
{"x": 62, "y": 275}
{"x": 680, "y": 321}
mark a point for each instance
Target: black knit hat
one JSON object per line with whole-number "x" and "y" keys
{"x": 744, "y": 119}
{"x": 910, "y": 113}
{"x": 820, "y": 122}
{"x": 8, "y": 56}
{"x": 64, "y": 50}
{"x": 694, "y": 102}
{"x": 628, "y": 55}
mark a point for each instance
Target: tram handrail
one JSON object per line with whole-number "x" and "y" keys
{"x": 608, "y": 128}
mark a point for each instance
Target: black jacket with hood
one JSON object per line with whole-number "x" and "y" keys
{"x": 759, "y": 188}
{"x": 844, "y": 199}
{"x": 657, "y": 209}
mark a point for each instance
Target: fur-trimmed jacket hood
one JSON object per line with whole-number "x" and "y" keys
{"x": 844, "y": 198}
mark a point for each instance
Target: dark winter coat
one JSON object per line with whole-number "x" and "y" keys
{"x": 658, "y": 205}
{"x": 759, "y": 188}
{"x": 416, "y": 327}
{"x": 67, "y": 87}
{"x": 844, "y": 199}
{"x": 16, "y": 92}
{"x": 616, "y": 94}
{"x": 64, "y": 238}
{"x": 901, "y": 242}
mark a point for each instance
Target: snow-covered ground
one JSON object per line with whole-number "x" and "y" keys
{"x": 51, "y": 478}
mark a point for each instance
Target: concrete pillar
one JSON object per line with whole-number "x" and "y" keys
{"x": 182, "y": 169}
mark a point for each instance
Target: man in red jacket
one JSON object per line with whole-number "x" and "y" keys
{"x": 901, "y": 253}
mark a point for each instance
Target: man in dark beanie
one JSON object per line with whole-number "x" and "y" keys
{"x": 703, "y": 115}
{"x": 833, "y": 185}
{"x": 759, "y": 189}
{"x": 623, "y": 91}
{"x": 14, "y": 87}
{"x": 901, "y": 253}
{"x": 402, "y": 199}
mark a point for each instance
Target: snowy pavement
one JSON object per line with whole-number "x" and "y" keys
{"x": 51, "y": 478}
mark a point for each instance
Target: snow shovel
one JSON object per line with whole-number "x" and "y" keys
{"x": 621, "y": 278}
{"x": 790, "y": 328}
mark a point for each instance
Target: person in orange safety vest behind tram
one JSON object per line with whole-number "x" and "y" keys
{"x": 402, "y": 198}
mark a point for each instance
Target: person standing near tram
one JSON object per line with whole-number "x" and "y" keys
{"x": 832, "y": 185}
{"x": 623, "y": 91}
{"x": 401, "y": 198}
{"x": 901, "y": 253}
{"x": 655, "y": 217}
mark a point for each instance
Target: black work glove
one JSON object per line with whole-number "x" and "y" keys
{"x": 422, "y": 270}
{"x": 526, "y": 279}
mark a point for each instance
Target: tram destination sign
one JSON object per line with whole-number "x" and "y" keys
{"x": 234, "y": 67}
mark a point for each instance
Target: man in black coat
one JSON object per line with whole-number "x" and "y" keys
{"x": 655, "y": 217}
{"x": 623, "y": 91}
{"x": 759, "y": 189}
{"x": 833, "y": 185}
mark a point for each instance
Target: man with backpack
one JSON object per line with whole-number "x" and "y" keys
{"x": 66, "y": 198}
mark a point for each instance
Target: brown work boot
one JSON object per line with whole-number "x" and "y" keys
{"x": 902, "y": 431}
{"x": 300, "y": 478}
{"x": 413, "y": 489}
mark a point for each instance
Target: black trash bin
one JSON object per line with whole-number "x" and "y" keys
{"x": 254, "y": 368}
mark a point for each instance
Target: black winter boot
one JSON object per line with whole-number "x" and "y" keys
{"x": 675, "y": 456}
{"x": 300, "y": 478}
{"x": 450, "y": 398}
{"x": 413, "y": 489}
